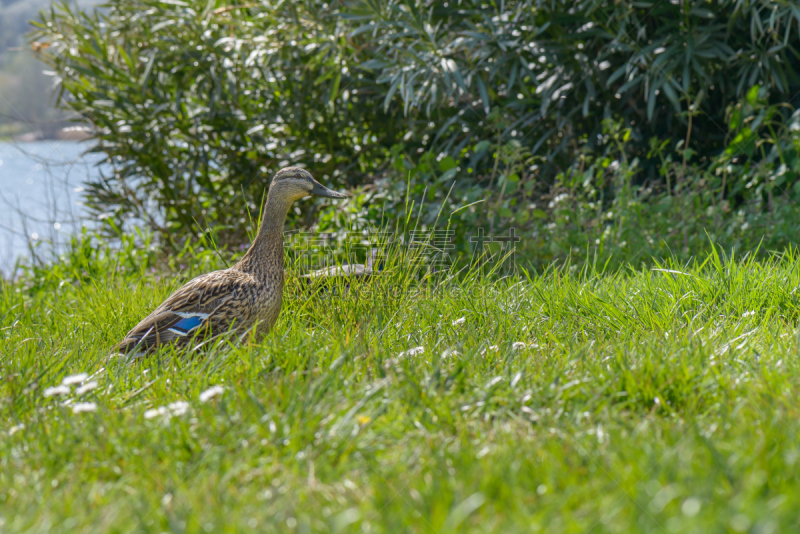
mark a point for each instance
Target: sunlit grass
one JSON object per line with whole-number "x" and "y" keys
{"x": 648, "y": 400}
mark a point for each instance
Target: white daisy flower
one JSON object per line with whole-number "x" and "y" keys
{"x": 81, "y": 407}
{"x": 179, "y": 408}
{"x": 74, "y": 379}
{"x": 56, "y": 390}
{"x": 210, "y": 393}
{"x": 168, "y": 411}
{"x": 450, "y": 353}
{"x": 89, "y": 386}
{"x": 412, "y": 352}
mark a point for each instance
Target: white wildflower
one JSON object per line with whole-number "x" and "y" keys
{"x": 748, "y": 313}
{"x": 210, "y": 393}
{"x": 179, "y": 408}
{"x": 493, "y": 348}
{"x": 14, "y": 429}
{"x": 168, "y": 411}
{"x": 518, "y": 345}
{"x": 56, "y": 390}
{"x": 604, "y": 65}
{"x": 74, "y": 379}
{"x": 81, "y": 407}
{"x": 462, "y": 320}
{"x": 89, "y": 386}
{"x": 155, "y": 412}
{"x": 412, "y": 352}
{"x": 450, "y": 353}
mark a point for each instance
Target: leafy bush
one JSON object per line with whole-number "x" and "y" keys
{"x": 499, "y": 104}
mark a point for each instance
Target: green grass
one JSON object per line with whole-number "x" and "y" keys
{"x": 656, "y": 400}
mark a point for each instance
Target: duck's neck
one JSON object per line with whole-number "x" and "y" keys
{"x": 265, "y": 256}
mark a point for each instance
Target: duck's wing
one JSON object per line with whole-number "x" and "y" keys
{"x": 211, "y": 301}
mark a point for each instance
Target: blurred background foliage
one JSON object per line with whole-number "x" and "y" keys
{"x": 623, "y": 130}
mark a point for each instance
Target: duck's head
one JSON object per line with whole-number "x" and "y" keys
{"x": 296, "y": 183}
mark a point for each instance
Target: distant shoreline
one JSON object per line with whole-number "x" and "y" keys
{"x": 71, "y": 133}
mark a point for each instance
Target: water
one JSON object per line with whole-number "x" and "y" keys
{"x": 40, "y": 196}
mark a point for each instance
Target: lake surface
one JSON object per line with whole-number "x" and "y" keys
{"x": 40, "y": 196}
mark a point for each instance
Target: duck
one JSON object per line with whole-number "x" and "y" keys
{"x": 245, "y": 298}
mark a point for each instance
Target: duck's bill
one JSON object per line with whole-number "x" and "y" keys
{"x": 320, "y": 190}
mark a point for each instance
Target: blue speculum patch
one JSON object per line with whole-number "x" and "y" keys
{"x": 188, "y": 324}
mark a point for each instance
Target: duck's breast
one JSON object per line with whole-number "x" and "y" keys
{"x": 269, "y": 298}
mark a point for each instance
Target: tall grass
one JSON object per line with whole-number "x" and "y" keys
{"x": 574, "y": 400}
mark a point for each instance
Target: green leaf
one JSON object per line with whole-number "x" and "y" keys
{"x": 616, "y": 75}
{"x": 481, "y": 146}
{"x": 673, "y": 98}
{"x": 335, "y": 89}
{"x": 736, "y": 119}
{"x": 163, "y": 24}
{"x": 752, "y": 95}
{"x": 392, "y": 90}
{"x": 447, "y": 163}
{"x": 743, "y": 143}
{"x": 448, "y": 175}
{"x": 651, "y": 101}
{"x": 700, "y": 12}
{"x": 539, "y": 214}
{"x": 484, "y": 93}
{"x": 151, "y": 60}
